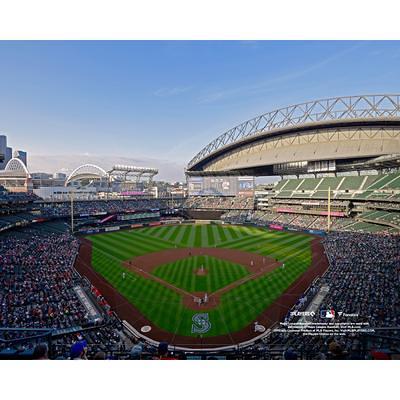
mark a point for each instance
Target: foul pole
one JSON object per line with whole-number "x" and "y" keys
{"x": 72, "y": 211}
{"x": 329, "y": 208}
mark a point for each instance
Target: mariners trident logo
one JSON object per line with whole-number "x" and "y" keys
{"x": 201, "y": 323}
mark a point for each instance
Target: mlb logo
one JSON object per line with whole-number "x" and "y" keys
{"x": 329, "y": 313}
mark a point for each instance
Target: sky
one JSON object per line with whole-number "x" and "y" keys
{"x": 159, "y": 103}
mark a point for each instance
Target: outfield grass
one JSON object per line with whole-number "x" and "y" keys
{"x": 164, "y": 307}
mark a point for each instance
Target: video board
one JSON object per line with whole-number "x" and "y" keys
{"x": 221, "y": 186}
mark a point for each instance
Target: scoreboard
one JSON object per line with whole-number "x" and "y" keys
{"x": 221, "y": 186}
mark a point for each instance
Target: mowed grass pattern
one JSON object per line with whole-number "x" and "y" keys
{"x": 163, "y": 306}
{"x": 219, "y": 273}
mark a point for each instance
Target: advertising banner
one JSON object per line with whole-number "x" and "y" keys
{"x": 111, "y": 229}
{"x": 276, "y": 227}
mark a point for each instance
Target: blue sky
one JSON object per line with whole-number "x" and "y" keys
{"x": 161, "y": 102}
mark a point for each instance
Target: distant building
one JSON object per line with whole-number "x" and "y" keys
{"x": 60, "y": 176}
{"x": 5, "y": 152}
{"x": 63, "y": 193}
{"x": 3, "y": 146}
{"x": 22, "y": 155}
{"x": 44, "y": 179}
{"x": 8, "y": 154}
{"x": 41, "y": 175}
{"x": 15, "y": 177}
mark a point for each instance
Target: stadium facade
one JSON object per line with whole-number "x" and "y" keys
{"x": 335, "y": 135}
{"x": 126, "y": 179}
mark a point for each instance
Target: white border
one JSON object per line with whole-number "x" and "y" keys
{"x": 330, "y": 380}
{"x": 206, "y": 19}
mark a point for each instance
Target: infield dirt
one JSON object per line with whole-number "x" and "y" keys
{"x": 257, "y": 265}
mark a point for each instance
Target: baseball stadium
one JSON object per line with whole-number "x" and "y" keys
{"x": 307, "y": 266}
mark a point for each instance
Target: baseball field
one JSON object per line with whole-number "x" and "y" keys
{"x": 201, "y": 280}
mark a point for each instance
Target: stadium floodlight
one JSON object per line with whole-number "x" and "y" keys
{"x": 132, "y": 169}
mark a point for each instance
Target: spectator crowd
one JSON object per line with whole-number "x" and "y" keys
{"x": 363, "y": 283}
{"x": 38, "y": 281}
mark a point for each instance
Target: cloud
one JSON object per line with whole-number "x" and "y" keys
{"x": 174, "y": 91}
{"x": 265, "y": 86}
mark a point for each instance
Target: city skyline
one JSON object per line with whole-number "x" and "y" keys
{"x": 159, "y": 103}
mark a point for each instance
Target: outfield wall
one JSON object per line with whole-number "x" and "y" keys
{"x": 92, "y": 231}
{"x": 279, "y": 227}
{"x": 203, "y": 214}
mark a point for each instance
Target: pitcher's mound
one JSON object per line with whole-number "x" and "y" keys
{"x": 201, "y": 272}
